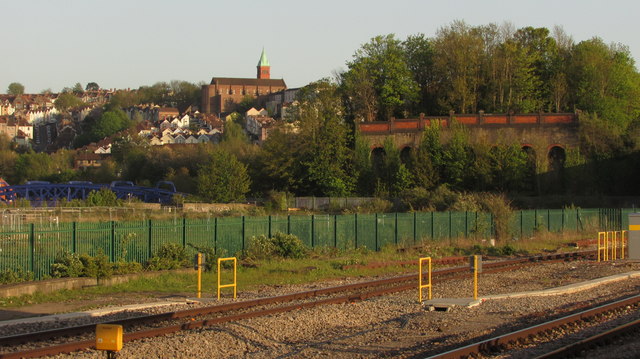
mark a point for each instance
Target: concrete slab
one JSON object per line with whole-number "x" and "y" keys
{"x": 446, "y": 304}
{"x": 571, "y": 288}
{"x": 88, "y": 313}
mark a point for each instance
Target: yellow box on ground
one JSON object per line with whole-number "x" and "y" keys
{"x": 109, "y": 337}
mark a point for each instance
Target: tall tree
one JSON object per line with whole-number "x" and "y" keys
{"x": 381, "y": 63}
{"x": 223, "y": 178}
{"x": 15, "y": 88}
{"x": 92, "y": 86}
{"x": 323, "y": 139}
{"x": 604, "y": 81}
{"x": 420, "y": 56}
{"x": 458, "y": 53}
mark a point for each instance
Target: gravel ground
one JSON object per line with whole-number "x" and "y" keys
{"x": 394, "y": 326}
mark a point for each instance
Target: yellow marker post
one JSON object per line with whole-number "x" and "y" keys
{"x": 420, "y": 285}
{"x": 623, "y": 237}
{"x": 220, "y": 285}
{"x": 475, "y": 277}
{"x": 199, "y": 268}
{"x": 614, "y": 245}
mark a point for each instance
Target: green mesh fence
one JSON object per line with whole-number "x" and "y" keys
{"x": 34, "y": 248}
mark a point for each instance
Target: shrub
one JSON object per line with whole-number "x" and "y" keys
{"x": 277, "y": 201}
{"x": 169, "y": 256}
{"x": 9, "y": 276}
{"x": 67, "y": 265}
{"x": 500, "y": 207}
{"x": 122, "y": 267}
{"x": 103, "y": 198}
{"x": 260, "y": 247}
{"x": 281, "y": 245}
{"x": 97, "y": 267}
{"x": 289, "y": 246}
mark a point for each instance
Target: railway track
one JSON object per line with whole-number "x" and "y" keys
{"x": 81, "y": 337}
{"x": 498, "y": 344}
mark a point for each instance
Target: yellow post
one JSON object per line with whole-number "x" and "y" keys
{"x": 475, "y": 277}
{"x": 614, "y": 245}
{"x": 199, "y": 264}
{"x": 602, "y": 240}
{"x": 420, "y": 285}
{"x": 623, "y": 237}
{"x": 220, "y": 285}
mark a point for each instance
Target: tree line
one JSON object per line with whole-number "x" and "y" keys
{"x": 316, "y": 150}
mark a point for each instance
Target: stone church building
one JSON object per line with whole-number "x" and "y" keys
{"x": 224, "y": 93}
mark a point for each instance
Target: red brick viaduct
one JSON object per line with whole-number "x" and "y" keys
{"x": 547, "y": 134}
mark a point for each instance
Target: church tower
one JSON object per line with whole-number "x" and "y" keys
{"x": 264, "y": 69}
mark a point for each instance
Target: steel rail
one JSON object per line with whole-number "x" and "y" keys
{"x": 496, "y": 343}
{"x": 588, "y": 343}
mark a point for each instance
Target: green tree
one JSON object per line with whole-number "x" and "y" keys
{"x": 323, "y": 137}
{"x": 458, "y": 54}
{"x": 15, "y": 88}
{"x": 92, "y": 86}
{"x": 604, "y": 81}
{"x": 420, "y": 56}
{"x": 77, "y": 89}
{"x": 223, "y": 178}
{"x": 68, "y": 101}
{"x": 382, "y": 64}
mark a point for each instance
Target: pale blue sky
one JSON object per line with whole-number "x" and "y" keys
{"x": 120, "y": 44}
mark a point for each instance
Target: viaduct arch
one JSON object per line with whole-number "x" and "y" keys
{"x": 543, "y": 135}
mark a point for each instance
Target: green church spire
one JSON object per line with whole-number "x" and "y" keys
{"x": 263, "y": 59}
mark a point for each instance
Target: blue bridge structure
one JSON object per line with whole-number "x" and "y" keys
{"x": 38, "y": 192}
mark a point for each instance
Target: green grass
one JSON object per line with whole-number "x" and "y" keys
{"x": 321, "y": 265}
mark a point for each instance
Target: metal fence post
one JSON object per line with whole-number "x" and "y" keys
{"x": 415, "y": 227}
{"x": 74, "y": 237}
{"x": 335, "y": 231}
{"x": 32, "y": 248}
{"x": 288, "y": 224}
{"x": 243, "y": 232}
{"x": 376, "y": 232}
{"x": 355, "y": 226}
{"x": 269, "y": 230}
{"x": 395, "y": 234}
{"x": 149, "y": 239}
{"x": 313, "y": 228}
{"x": 215, "y": 235}
{"x": 184, "y": 232}
{"x": 112, "y": 251}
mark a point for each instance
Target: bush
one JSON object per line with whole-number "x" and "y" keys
{"x": 103, "y": 198}
{"x": 9, "y": 276}
{"x": 277, "y": 201}
{"x": 281, "y": 245}
{"x": 122, "y": 267}
{"x": 67, "y": 265}
{"x": 169, "y": 256}
{"x": 289, "y": 246}
{"x": 260, "y": 247}
{"x": 97, "y": 267}
{"x": 83, "y": 265}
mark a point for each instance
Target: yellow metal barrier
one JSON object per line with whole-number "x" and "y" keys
{"x": 614, "y": 245}
{"x": 220, "y": 285}
{"x": 623, "y": 239}
{"x": 420, "y": 285}
{"x": 602, "y": 246}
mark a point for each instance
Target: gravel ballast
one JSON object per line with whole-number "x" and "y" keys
{"x": 392, "y": 326}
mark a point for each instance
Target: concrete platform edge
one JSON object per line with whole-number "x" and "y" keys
{"x": 570, "y": 288}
